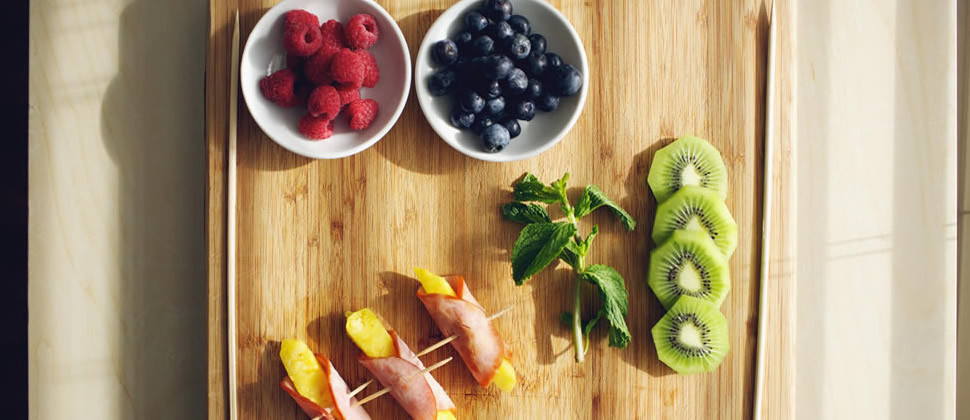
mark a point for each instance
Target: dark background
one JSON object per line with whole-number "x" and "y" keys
{"x": 13, "y": 209}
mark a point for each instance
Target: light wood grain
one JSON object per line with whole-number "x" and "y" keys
{"x": 317, "y": 238}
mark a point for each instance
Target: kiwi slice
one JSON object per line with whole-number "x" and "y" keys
{"x": 688, "y": 161}
{"x": 692, "y": 337}
{"x": 700, "y": 209}
{"x": 689, "y": 264}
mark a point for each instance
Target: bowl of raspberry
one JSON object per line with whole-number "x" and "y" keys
{"x": 311, "y": 75}
{"x": 501, "y": 80}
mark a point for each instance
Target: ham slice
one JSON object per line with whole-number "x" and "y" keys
{"x": 419, "y": 394}
{"x": 343, "y": 408}
{"x": 478, "y": 343}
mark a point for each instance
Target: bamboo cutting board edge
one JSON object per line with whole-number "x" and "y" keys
{"x": 779, "y": 386}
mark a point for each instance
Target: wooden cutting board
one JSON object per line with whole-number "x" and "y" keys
{"x": 317, "y": 238}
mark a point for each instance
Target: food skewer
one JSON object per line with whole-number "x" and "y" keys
{"x": 759, "y": 385}
{"x": 231, "y": 216}
{"x": 462, "y": 318}
{"x": 388, "y": 389}
{"x": 398, "y": 369}
{"x": 454, "y": 337}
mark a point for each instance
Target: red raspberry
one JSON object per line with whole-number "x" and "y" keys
{"x": 324, "y": 102}
{"x": 347, "y": 68}
{"x": 300, "y": 16}
{"x": 361, "y": 113}
{"x": 295, "y": 63}
{"x": 317, "y": 67}
{"x": 316, "y": 128}
{"x": 362, "y": 31}
{"x": 347, "y": 94}
{"x": 333, "y": 35}
{"x": 302, "y": 39}
{"x": 278, "y": 87}
{"x": 371, "y": 73}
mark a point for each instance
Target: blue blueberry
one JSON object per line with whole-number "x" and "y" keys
{"x": 535, "y": 64}
{"x": 461, "y": 118}
{"x": 498, "y": 10}
{"x": 524, "y": 110}
{"x": 445, "y": 52}
{"x": 516, "y": 82}
{"x": 483, "y": 45}
{"x": 464, "y": 42}
{"x": 495, "y": 137}
{"x": 518, "y": 46}
{"x": 491, "y": 89}
{"x": 441, "y": 82}
{"x": 564, "y": 80}
{"x": 554, "y": 60}
{"x": 533, "y": 90}
{"x": 538, "y": 43}
{"x": 512, "y": 125}
{"x": 471, "y": 101}
{"x": 500, "y": 31}
{"x": 482, "y": 121}
{"x": 495, "y": 106}
{"x": 548, "y": 102}
{"x": 497, "y": 67}
{"x": 475, "y": 22}
{"x": 520, "y": 25}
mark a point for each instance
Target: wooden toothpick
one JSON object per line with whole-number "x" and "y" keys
{"x": 360, "y": 388}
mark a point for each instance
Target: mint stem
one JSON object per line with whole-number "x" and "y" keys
{"x": 577, "y": 312}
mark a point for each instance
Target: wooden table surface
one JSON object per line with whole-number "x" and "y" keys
{"x": 317, "y": 238}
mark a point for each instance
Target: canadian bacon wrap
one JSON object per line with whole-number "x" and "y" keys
{"x": 419, "y": 394}
{"x": 478, "y": 343}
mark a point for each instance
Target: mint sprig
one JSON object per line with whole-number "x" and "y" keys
{"x": 542, "y": 241}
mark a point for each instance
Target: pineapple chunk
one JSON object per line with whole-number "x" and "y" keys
{"x": 505, "y": 377}
{"x": 306, "y": 373}
{"x": 446, "y": 415}
{"x": 433, "y": 284}
{"x": 369, "y": 334}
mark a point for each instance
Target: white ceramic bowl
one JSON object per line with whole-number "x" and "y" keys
{"x": 538, "y": 135}
{"x": 264, "y": 54}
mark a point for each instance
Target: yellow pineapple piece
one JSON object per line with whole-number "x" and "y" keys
{"x": 432, "y": 283}
{"x": 306, "y": 373}
{"x": 369, "y": 334}
{"x": 505, "y": 377}
{"x": 446, "y": 415}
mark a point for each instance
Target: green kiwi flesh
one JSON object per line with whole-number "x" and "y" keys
{"x": 699, "y": 209}
{"x": 689, "y": 263}
{"x": 688, "y": 161}
{"x": 692, "y": 337}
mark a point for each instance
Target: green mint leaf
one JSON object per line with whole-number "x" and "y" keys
{"x": 615, "y": 301}
{"x": 593, "y": 198}
{"x": 525, "y": 213}
{"x": 588, "y": 242}
{"x": 531, "y": 189}
{"x": 538, "y": 245}
{"x": 571, "y": 253}
{"x": 559, "y": 186}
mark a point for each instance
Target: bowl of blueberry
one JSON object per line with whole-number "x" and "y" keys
{"x": 500, "y": 80}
